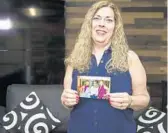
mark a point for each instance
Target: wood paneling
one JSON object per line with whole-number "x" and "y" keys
{"x": 120, "y": 4}
{"x": 145, "y": 24}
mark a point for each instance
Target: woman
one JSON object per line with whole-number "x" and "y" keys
{"x": 94, "y": 90}
{"x": 102, "y": 90}
{"x": 86, "y": 90}
{"x": 101, "y": 50}
{"x": 84, "y": 87}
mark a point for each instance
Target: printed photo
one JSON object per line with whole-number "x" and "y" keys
{"x": 93, "y": 86}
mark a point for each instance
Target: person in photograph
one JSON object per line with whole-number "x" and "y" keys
{"x": 84, "y": 90}
{"x": 94, "y": 90}
{"x": 102, "y": 90}
{"x": 101, "y": 49}
{"x": 86, "y": 93}
{"x": 84, "y": 87}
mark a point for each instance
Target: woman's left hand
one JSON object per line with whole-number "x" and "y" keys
{"x": 119, "y": 100}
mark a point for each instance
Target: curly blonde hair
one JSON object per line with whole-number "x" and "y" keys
{"x": 81, "y": 54}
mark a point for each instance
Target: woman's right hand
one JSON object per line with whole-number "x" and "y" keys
{"x": 69, "y": 98}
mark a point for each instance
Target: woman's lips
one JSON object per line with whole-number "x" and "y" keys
{"x": 101, "y": 32}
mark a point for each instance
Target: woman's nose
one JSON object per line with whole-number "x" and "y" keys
{"x": 102, "y": 22}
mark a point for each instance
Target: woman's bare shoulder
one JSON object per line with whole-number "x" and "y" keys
{"x": 132, "y": 57}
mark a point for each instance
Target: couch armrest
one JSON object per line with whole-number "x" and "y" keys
{"x": 2, "y": 113}
{"x": 2, "y": 130}
{"x": 136, "y": 114}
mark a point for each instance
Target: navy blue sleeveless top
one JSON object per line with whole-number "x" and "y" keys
{"x": 97, "y": 115}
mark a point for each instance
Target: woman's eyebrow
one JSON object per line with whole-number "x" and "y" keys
{"x": 97, "y": 16}
{"x": 109, "y": 17}
{"x": 104, "y": 16}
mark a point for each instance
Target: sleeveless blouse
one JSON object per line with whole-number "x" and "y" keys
{"x": 97, "y": 115}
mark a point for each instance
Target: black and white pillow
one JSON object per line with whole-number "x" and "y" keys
{"x": 30, "y": 116}
{"x": 152, "y": 121}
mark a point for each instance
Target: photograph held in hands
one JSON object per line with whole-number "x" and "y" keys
{"x": 95, "y": 87}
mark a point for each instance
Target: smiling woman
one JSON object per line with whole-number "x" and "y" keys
{"x": 102, "y": 29}
{"x": 101, "y": 51}
{"x": 103, "y": 26}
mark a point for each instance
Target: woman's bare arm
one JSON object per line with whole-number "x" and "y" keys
{"x": 68, "y": 77}
{"x": 69, "y": 97}
{"x": 140, "y": 96}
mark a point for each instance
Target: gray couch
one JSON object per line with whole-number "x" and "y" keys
{"x": 49, "y": 94}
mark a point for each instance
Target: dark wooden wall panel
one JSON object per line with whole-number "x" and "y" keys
{"x": 145, "y": 27}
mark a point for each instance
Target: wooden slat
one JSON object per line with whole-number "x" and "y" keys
{"x": 164, "y": 59}
{"x": 164, "y": 36}
{"x": 143, "y": 14}
{"x": 146, "y": 23}
{"x": 151, "y": 47}
{"x": 120, "y": 0}
{"x": 154, "y": 63}
{"x": 156, "y": 70}
{"x": 72, "y": 25}
{"x": 74, "y": 20}
{"x": 70, "y": 45}
{"x": 77, "y": 10}
{"x": 156, "y": 78}
{"x": 127, "y": 4}
{"x": 78, "y": 0}
{"x": 96, "y": 0}
{"x": 140, "y": 4}
{"x": 151, "y": 53}
{"x": 163, "y": 48}
{"x": 70, "y": 36}
{"x": 145, "y": 31}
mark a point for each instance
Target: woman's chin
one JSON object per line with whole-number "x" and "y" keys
{"x": 101, "y": 42}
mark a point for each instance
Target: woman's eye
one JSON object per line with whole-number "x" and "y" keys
{"x": 109, "y": 20}
{"x": 95, "y": 18}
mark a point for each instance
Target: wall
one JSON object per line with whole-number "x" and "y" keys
{"x": 145, "y": 27}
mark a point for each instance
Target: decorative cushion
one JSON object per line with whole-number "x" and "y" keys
{"x": 152, "y": 121}
{"x": 30, "y": 116}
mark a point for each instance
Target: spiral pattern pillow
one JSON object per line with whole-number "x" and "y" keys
{"x": 152, "y": 121}
{"x": 30, "y": 116}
